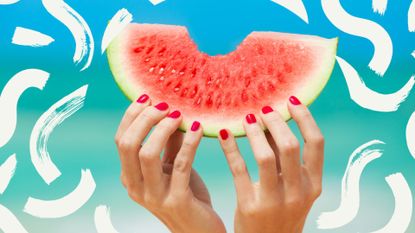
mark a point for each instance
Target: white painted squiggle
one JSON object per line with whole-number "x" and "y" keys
{"x": 368, "y": 98}
{"x": 295, "y": 6}
{"x": 45, "y": 125}
{"x": 8, "y": 2}
{"x": 350, "y": 196}
{"x": 28, "y": 37}
{"x": 402, "y": 213}
{"x": 7, "y": 172}
{"x": 103, "y": 222}
{"x": 76, "y": 24}
{"x": 411, "y": 17}
{"x": 10, "y": 95}
{"x": 9, "y": 223}
{"x": 66, "y": 205}
{"x": 410, "y": 135}
{"x": 155, "y": 2}
{"x": 379, "y": 6}
{"x": 383, "y": 47}
{"x": 118, "y": 22}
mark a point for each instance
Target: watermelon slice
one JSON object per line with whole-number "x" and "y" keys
{"x": 266, "y": 69}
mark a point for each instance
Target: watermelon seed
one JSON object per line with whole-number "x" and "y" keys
{"x": 161, "y": 70}
{"x": 184, "y": 92}
{"x": 151, "y": 70}
{"x": 177, "y": 88}
{"x": 173, "y": 71}
{"x": 161, "y": 78}
{"x": 162, "y": 51}
{"x": 209, "y": 101}
{"x": 194, "y": 92}
{"x": 199, "y": 100}
{"x": 139, "y": 49}
{"x": 150, "y": 50}
{"x": 147, "y": 59}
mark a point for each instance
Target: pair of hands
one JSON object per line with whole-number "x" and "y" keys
{"x": 175, "y": 193}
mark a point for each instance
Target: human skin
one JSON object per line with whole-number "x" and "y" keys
{"x": 287, "y": 188}
{"x": 169, "y": 188}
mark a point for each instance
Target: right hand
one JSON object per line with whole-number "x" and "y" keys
{"x": 281, "y": 200}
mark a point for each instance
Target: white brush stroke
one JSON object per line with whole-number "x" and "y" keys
{"x": 29, "y": 37}
{"x": 8, "y": 2}
{"x": 410, "y": 135}
{"x": 103, "y": 222}
{"x": 411, "y": 17}
{"x": 413, "y": 54}
{"x": 402, "y": 214}
{"x": 367, "y": 98}
{"x": 66, "y": 205}
{"x": 9, "y": 223}
{"x": 118, "y": 22}
{"x": 295, "y": 6}
{"x": 80, "y": 30}
{"x": 379, "y": 6}
{"x": 45, "y": 125}
{"x": 377, "y": 35}
{"x": 156, "y": 2}
{"x": 350, "y": 193}
{"x": 10, "y": 95}
{"x": 7, "y": 170}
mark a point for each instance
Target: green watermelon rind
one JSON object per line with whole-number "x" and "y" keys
{"x": 307, "y": 98}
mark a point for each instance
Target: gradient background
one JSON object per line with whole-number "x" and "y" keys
{"x": 85, "y": 140}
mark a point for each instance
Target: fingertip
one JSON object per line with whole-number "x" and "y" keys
{"x": 224, "y": 135}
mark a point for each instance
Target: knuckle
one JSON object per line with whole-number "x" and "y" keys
{"x": 146, "y": 156}
{"x": 294, "y": 202}
{"x": 125, "y": 144}
{"x": 249, "y": 210}
{"x": 182, "y": 164}
{"x": 188, "y": 146}
{"x": 238, "y": 167}
{"x": 290, "y": 146}
{"x": 151, "y": 200}
{"x": 266, "y": 159}
{"x": 318, "y": 140}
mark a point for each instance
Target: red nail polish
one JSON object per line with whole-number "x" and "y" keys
{"x": 143, "y": 99}
{"x": 174, "y": 115}
{"x": 224, "y": 134}
{"x": 294, "y": 100}
{"x": 163, "y": 106}
{"x": 195, "y": 126}
{"x": 267, "y": 109}
{"x": 250, "y": 118}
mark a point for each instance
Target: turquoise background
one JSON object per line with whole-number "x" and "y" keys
{"x": 85, "y": 140}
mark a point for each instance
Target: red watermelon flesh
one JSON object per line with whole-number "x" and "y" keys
{"x": 266, "y": 69}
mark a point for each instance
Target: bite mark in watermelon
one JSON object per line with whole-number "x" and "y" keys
{"x": 266, "y": 69}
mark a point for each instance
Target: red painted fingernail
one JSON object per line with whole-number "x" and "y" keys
{"x": 224, "y": 134}
{"x": 294, "y": 100}
{"x": 143, "y": 99}
{"x": 163, "y": 106}
{"x": 174, "y": 115}
{"x": 267, "y": 109}
{"x": 195, "y": 126}
{"x": 250, "y": 118}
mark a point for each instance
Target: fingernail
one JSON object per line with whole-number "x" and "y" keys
{"x": 267, "y": 109}
{"x": 142, "y": 99}
{"x": 294, "y": 100}
{"x": 250, "y": 118}
{"x": 163, "y": 106}
{"x": 174, "y": 115}
{"x": 195, "y": 126}
{"x": 224, "y": 134}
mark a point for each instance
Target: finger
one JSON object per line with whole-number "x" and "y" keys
{"x": 271, "y": 142}
{"x": 130, "y": 166}
{"x": 172, "y": 147}
{"x": 313, "y": 139}
{"x": 288, "y": 149}
{"x": 182, "y": 165}
{"x": 263, "y": 153}
{"x": 243, "y": 184}
{"x": 149, "y": 154}
{"x": 130, "y": 114}
{"x": 130, "y": 142}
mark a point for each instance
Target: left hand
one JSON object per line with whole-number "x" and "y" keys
{"x": 168, "y": 188}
